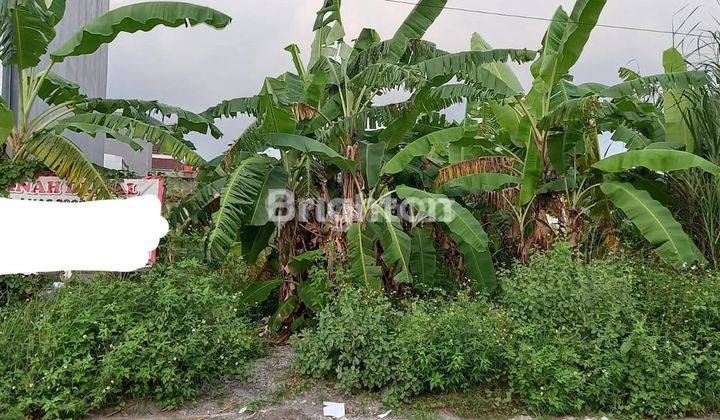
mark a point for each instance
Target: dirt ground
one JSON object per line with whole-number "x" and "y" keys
{"x": 273, "y": 392}
{"x": 270, "y": 392}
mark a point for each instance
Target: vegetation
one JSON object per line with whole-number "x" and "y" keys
{"x": 161, "y": 335}
{"x": 699, "y": 204}
{"x": 614, "y": 336}
{"x": 28, "y": 28}
{"x": 413, "y": 254}
{"x": 520, "y": 171}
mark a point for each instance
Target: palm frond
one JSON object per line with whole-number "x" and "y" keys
{"x": 237, "y": 199}
{"x": 158, "y": 135}
{"x": 64, "y": 158}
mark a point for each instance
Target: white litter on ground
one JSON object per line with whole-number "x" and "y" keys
{"x": 333, "y": 409}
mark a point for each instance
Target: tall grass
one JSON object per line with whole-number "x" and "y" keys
{"x": 699, "y": 206}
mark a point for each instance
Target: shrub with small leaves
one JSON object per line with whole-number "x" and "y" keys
{"x": 361, "y": 342}
{"x": 161, "y": 335}
{"x": 620, "y": 335}
{"x": 13, "y": 172}
{"x": 353, "y": 342}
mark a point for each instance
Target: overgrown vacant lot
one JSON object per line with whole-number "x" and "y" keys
{"x": 619, "y": 336}
{"x": 345, "y": 248}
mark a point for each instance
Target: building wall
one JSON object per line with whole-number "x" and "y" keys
{"x": 138, "y": 162}
{"x": 89, "y": 71}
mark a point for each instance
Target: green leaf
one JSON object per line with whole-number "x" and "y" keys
{"x": 311, "y": 147}
{"x": 250, "y": 141}
{"x": 231, "y": 108}
{"x": 414, "y": 27}
{"x": 501, "y": 70}
{"x": 477, "y": 184}
{"x": 275, "y": 118}
{"x": 195, "y": 206}
{"x": 531, "y": 173}
{"x": 64, "y": 158}
{"x": 276, "y": 179}
{"x": 673, "y": 61}
{"x": 134, "y": 18}
{"x": 361, "y": 252}
{"x": 367, "y": 37}
{"x": 510, "y": 121}
{"x": 329, "y": 13}
{"x": 633, "y": 139}
{"x": 93, "y": 130}
{"x": 480, "y": 268}
{"x": 186, "y": 121}
{"x": 300, "y": 263}
{"x": 294, "y": 51}
{"x": 328, "y": 30}
{"x": 544, "y": 67}
{"x": 156, "y": 134}
{"x": 561, "y": 144}
{"x": 655, "y": 222}
{"x": 459, "y": 219}
{"x": 57, "y": 10}
{"x": 7, "y": 123}
{"x": 395, "y": 243}
{"x": 627, "y": 74}
{"x": 660, "y": 160}
{"x": 371, "y": 160}
{"x": 237, "y": 201}
{"x": 314, "y": 294}
{"x": 283, "y": 313}
{"x": 26, "y": 30}
{"x": 646, "y": 85}
{"x": 677, "y": 105}
{"x": 465, "y": 229}
{"x": 423, "y": 262}
{"x": 465, "y": 63}
{"x": 258, "y": 292}
{"x": 579, "y": 109}
{"x": 56, "y": 90}
{"x": 254, "y": 240}
{"x": 422, "y": 147}
{"x": 580, "y": 25}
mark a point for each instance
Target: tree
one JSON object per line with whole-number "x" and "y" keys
{"x": 534, "y": 157}
{"x": 335, "y": 143}
{"x": 566, "y": 190}
{"x": 27, "y": 28}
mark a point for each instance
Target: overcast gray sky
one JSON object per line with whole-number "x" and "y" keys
{"x": 196, "y": 68}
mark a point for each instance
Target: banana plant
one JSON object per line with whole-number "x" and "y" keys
{"x": 540, "y": 159}
{"x": 336, "y": 143}
{"x": 28, "y": 28}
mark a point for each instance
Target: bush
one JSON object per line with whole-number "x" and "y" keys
{"x": 616, "y": 335}
{"x": 363, "y": 343}
{"x": 351, "y": 342}
{"x": 448, "y": 347}
{"x": 162, "y": 335}
{"x": 19, "y": 288}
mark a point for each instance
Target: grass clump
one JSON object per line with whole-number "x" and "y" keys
{"x": 161, "y": 335}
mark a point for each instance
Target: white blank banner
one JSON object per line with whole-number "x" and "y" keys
{"x": 112, "y": 235}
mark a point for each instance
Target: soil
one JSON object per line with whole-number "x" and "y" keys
{"x": 270, "y": 392}
{"x": 273, "y": 392}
